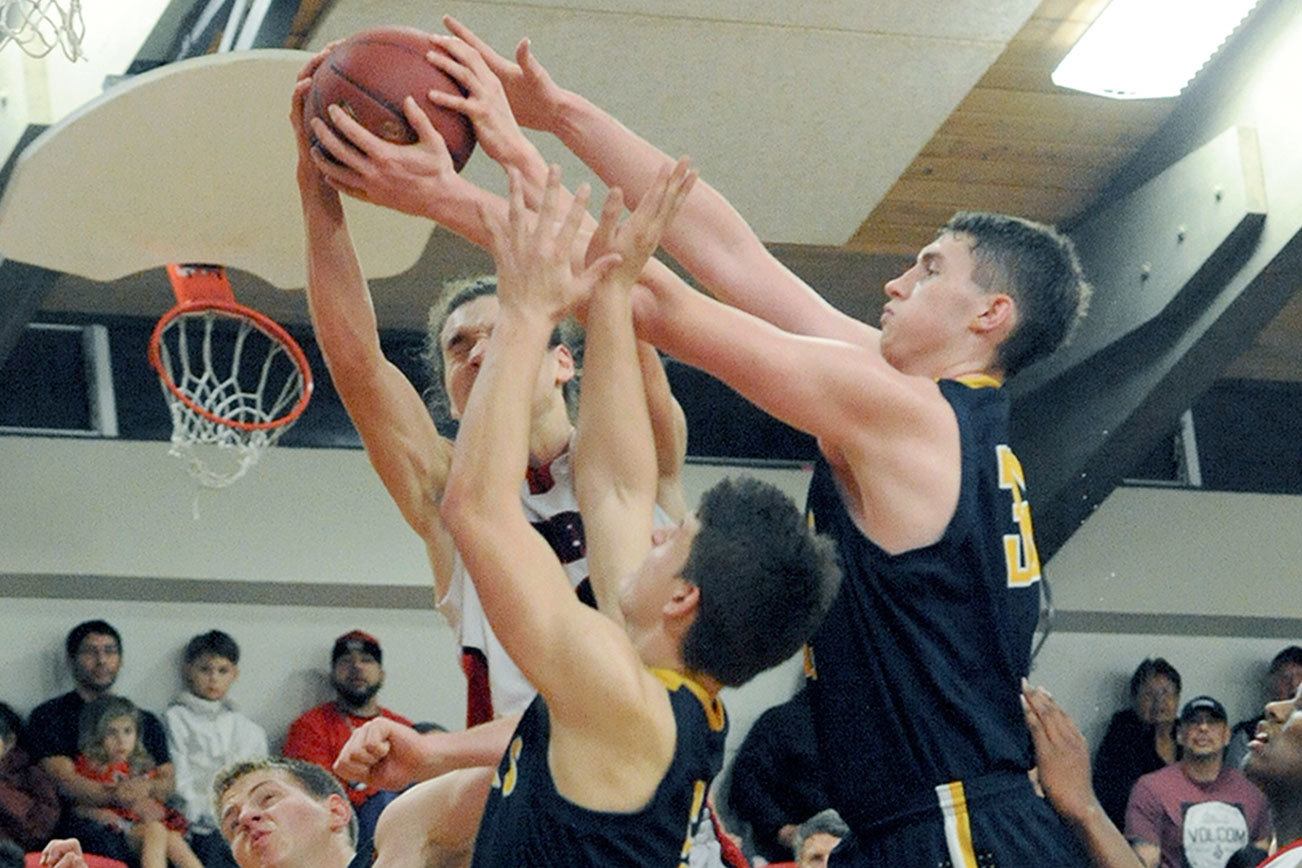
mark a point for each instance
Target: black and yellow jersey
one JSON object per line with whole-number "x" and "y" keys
{"x": 915, "y": 671}
{"x": 528, "y": 823}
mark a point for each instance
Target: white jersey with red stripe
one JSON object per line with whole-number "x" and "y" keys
{"x": 550, "y": 505}
{"x": 1287, "y": 857}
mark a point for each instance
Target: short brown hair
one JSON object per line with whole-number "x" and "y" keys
{"x": 311, "y": 779}
{"x": 1037, "y": 266}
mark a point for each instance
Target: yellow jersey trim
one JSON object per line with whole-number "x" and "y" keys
{"x": 980, "y": 381}
{"x": 714, "y": 712}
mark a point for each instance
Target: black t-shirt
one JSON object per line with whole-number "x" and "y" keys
{"x": 52, "y": 729}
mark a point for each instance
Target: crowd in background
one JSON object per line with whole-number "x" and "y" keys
{"x": 137, "y": 788}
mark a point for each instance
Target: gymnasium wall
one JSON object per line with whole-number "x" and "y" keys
{"x": 304, "y": 548}
{"x": 309, "y": 546}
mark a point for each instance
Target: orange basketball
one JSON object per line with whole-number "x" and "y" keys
{"x": 370, "y": 73}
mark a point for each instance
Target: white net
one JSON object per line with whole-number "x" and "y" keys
{"x": 38, "y": 27}
{"x": 230, "y": 367}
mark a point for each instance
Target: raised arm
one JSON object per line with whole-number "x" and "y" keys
{"x": 1062, "y": 759}
{"x": 405, "y": 448}
{"x": 872, "y": 421}
{"x": 562, "y": 647}
{"x": 712, "y": 241}
{"x": 616, "y": 472}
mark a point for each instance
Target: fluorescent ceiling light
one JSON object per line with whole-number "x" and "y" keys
{"x": 1143, "y": 49}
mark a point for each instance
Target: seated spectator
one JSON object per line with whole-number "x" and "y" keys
{"x": 29, "y": 802}
{"x": 1139, "y": 739}
{"x": 1282, "y": 680}
{"x": 357, "y": 674}
{"x": 776, "y": 781}
{"x": 111, "y": 753}
{"x": 206, "y": 734}
{"x": 94, "y": 654}
{"x": 817, "y": 837}
{"x": 1198, "y": 811}
{"x": 284, "y": 812}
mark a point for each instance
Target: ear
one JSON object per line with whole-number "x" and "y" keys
{"x": 340, "y": 810}
{"x": 998, "y": 315}
{"x": 564, "y": 363}
{"x": 684, "y": 602}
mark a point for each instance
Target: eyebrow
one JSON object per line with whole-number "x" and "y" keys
{"x": 226, "y": 812}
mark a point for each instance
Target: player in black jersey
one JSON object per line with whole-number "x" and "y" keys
{"x": 611, "y": 763}
{"x": 915, "y": 674}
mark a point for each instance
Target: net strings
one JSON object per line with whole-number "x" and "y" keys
{"x": 38, "y": 27}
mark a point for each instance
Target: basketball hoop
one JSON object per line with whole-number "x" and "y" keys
{"x": 38, "y": 27}
{"x": 234, "y": 380}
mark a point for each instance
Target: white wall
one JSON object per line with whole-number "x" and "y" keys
{"x": 1208, "y": 580}
{"x": 85, "y": 523}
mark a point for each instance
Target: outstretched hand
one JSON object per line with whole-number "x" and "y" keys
{"x": 485, "y": 102}
{"x": 535, "y": 99}
{"x": 536, "y": 269}
{"x": 636, "y": 238}
{"x": 406, "y": 178}
{"x": 312, "y": 184}
{"x": 1061, "y": 754}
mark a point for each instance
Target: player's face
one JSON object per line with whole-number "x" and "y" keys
{"x": 645, "y": 591}
{"x": 269, "y": 820}
{"x": 816, "y": 850}
{"x": 463, "y": 342}
{"x": 209, "y": 676}
{"x": 930, "y": 305}
{"x": 1275, "y": 754}
{"x": 96, "y": 663}
{"x": 1204, "y": 736}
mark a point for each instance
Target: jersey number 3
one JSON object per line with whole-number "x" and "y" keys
{"x": 1020, "y": 556}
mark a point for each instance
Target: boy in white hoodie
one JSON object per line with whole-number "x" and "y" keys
{"x": 205, "y": 734}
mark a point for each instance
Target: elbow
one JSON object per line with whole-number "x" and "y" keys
{"x": 464, "y": 508}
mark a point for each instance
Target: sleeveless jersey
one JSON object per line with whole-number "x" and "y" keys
{"x": 528, "y": 824}
{"x": 495, "y": 687}
{"x": 915, "y": 671}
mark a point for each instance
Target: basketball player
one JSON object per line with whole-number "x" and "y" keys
{"x": 915, "y": 673}
{"x": 610, "y": 764}
{"x": 401, "y": 439}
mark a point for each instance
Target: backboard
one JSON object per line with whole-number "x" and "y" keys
{"x": 191, "y": 162}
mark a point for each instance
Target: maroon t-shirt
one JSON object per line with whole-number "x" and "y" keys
{"x": 1196, "y": 825}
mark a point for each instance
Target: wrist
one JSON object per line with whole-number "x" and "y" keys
{"x": 524, "y": 322}
{"x": 566, "y": 122}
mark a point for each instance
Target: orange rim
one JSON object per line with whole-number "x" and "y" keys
{"x": 264, "y": 324}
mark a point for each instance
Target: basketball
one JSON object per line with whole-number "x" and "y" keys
{"x": 370, "y": 73}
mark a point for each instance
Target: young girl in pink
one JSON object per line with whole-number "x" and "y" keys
{"x": 111, "y": 752}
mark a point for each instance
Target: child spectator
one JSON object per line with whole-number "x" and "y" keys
{"x": 205, "y": 734}
{"x": 112, "y": 753}
{"x": 29, "y": 801}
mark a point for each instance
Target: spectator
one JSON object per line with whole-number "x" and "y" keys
{"x": 94, "y": 654}
{"x": 1140, "y": 739}
{"x": 1282, "y": 681}
{"x": 776, "y": 780}
{"x": 205, "y": 734}
{"x": 111, "y": 753}
{"x": 1198, "y": 811}
{"x": 276, "y": 812}
{"x": 29, "y": 802}
{"x": 357, "y": 674}
{"x": 817, "y": 837}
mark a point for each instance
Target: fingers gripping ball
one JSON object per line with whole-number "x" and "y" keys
{"x": 370, "y": 73}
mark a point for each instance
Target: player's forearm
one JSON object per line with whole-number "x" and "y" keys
{"x": 476, "y": 747}
{"x": 1107, "y": 847}
{"x": 339, "y": 302}
{"x": 616, "y": 455}
{"x": 709, "y": 237}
